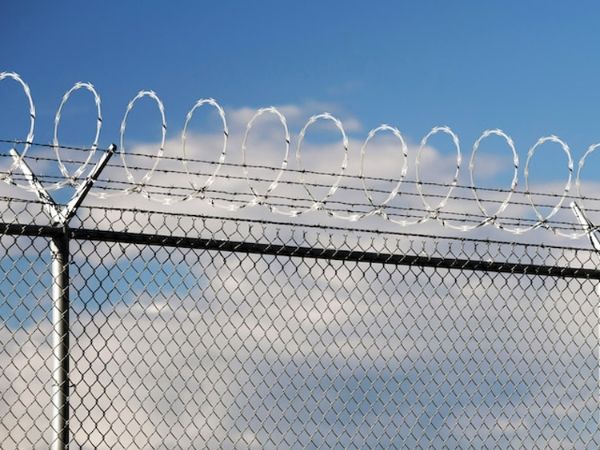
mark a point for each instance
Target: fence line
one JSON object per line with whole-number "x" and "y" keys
{"x": 123, "y": 327}
{"x": 297, "y": 251}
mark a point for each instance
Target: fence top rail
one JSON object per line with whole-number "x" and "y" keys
{"x": 299, "y": 251}
{"x": 91, "y": 216}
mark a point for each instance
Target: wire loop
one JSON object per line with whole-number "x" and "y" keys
{"x": 254, "y": 197}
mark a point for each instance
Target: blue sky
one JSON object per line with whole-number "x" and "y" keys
{"x": 528, "y": 67}
{"x": 531, "y": 68}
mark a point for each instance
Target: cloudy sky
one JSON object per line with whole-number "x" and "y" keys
{"x": 204, "y": 349}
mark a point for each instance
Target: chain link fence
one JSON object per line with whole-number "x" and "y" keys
{"x": 199, "y": 332}
{"x": 126, "y": 328}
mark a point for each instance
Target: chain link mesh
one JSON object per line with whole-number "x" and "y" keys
{"x": 25, "y": 342}
{"x": 179, "y": 347}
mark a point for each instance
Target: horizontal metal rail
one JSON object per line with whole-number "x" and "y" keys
{"x": 300, "y": 252}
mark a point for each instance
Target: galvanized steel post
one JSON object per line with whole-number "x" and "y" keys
{"x": 59, "y": 247}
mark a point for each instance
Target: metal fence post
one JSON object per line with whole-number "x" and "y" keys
{"x": 59, "y": 246}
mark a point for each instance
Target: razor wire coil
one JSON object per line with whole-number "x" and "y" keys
{"x": 141, "y": 185}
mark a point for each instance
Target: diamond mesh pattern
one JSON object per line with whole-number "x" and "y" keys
{"x": 25, "y": 343}
{"x": 189, "y": 348}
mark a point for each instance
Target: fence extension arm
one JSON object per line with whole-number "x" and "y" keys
{"x": 57, "y": 215}
{"x": 50, "y": 207}
{"x": 587, "y": 225}
{"x": 85, "y": 187}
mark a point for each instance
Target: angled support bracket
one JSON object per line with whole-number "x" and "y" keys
{"x": 587, "y": 225}
{"x": 50, "y": 207}
{"x": 59, "y": 248}
{"x": 85, "y": 187}
{"x": 58, "y": 215}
